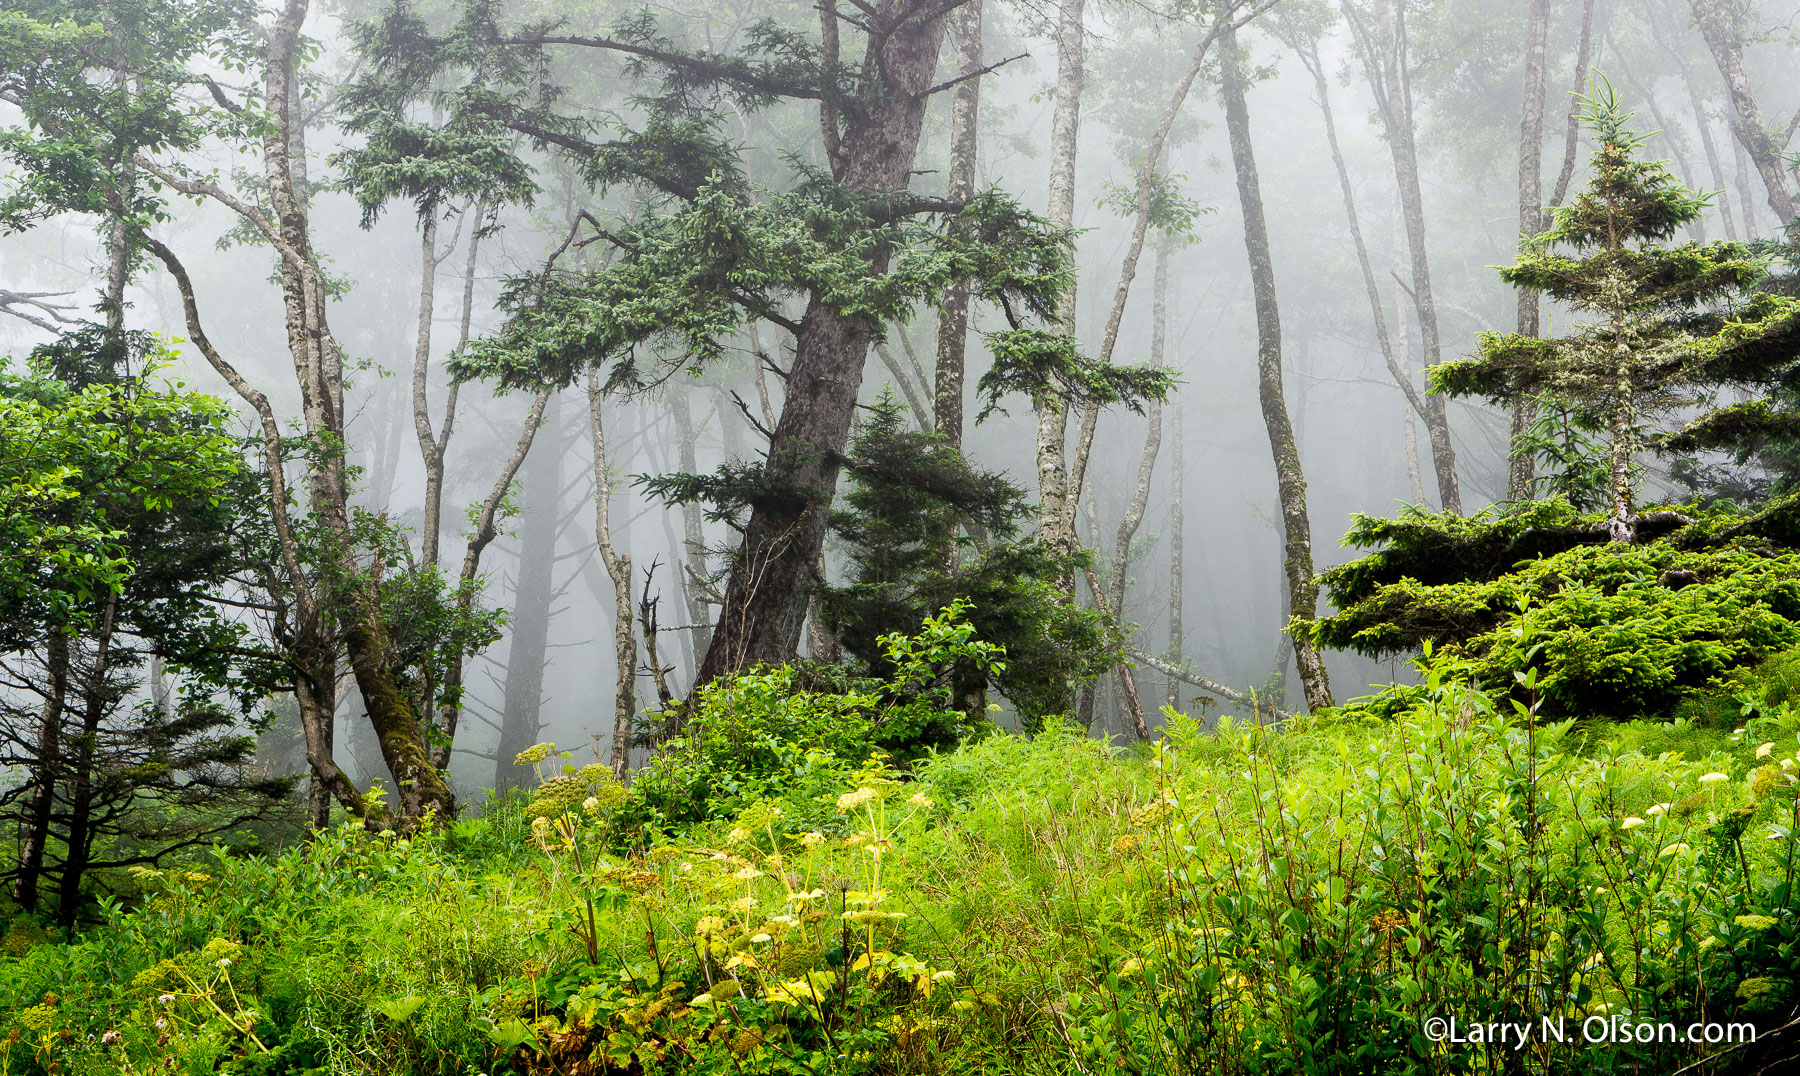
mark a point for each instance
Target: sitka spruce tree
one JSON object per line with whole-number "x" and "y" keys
{"x": 822, "y": 238}
{"x": 1666, "y": 326}
{"x": 1620, "y": 611}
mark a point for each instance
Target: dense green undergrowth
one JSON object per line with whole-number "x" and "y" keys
{"x": 1254, "y": 900}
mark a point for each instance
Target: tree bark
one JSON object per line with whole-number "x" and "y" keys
{"x": 618, "y": 569}
{"x": 79, "y": 840}
{"x": 953, "y": 314}
{"x": 318, "y": 365}
{"x": 1385, "y": 59}
{"x": 41, "y": 806}
{"x": 529, "y": 621}
{"x": 1140, "y": 496}
{"x": 1056, "y": 498}
{"x": 1177, "y": 536}
{"x": 1398, "y": 366}
{"x": 1521, "y": 473}
{"x": 696, "y": 578}
{"x": 1290, "y": 481}
{"x": 1719, "y": 25}
{"x": 766, "y": 597}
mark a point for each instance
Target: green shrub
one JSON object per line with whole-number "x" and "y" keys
{"x": 1615, "y": 630}
{"x": 1264, "y": 900}
{"x": 763, "y": 734}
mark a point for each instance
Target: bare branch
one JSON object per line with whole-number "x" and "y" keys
{"x": 960, "y": 79}
{"x": 1211, "y": 686}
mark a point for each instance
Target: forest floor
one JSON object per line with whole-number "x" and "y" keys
{"x": 1322, "y": 898}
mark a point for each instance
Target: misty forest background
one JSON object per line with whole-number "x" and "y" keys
{"x": 1361, "y": 446}
{"x": 596, "y": 457}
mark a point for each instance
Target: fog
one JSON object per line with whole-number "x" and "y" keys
{"x": 1361, "y": 446}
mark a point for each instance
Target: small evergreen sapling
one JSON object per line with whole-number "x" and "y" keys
{"x": 1668, "y": 325}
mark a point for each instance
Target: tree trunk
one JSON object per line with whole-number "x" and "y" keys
{"x": 766, "y": 597}
{"x": 1385, "y": 59}
{"x": 1577, "y": 87}
{"x": 1399, "y": 367}
{"x": 1718, "y": 22}
{"x": 1415, "y": 482}
{"x": 434, "y": 446}
{"x": 1621, "y": 525}
{"x": 309, "y": 650}
{"x": 921, "y": 413}
{"x": 1654, "y": 18}
{"x": 1521, "y": 473}
{"x": 953, "y": 315}
{"x": 318, "y": 365}
{"x": 618, "y": 569}
{"x": 48, "y": 754}
{"x": 696, "y": 578}
{"x": 449, "y": 696}
{"x": 1746, "y": 203}
{"x": 315, "y": 693}
{"x": 1177, "y": 536}
{"x": 1140, "y": 496}
{"x": 80, "y": 833}
{"x": 529, "y": 620}
{"x": 1056, "y": 499}
{"x": 1143, "y": 196}
{"x": 1290, "y": 481}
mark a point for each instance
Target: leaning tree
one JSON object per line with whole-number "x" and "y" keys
{"x": 833, "y": 250}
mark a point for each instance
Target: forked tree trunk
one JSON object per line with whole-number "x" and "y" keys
{"x": 1719, "y": 25}
{"x": 1302, "y": 588}
{"x": 40, "y": 807}
{"x": 318, "y": 366}
{"x": 1385, "y": 60}
{"x": 315, "y": 694}
{"x": 449, "y": 710}
{"x": 1143, "y": 198}
{"x": 766, "y": 597}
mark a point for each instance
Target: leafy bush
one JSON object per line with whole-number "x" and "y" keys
{"x": 763, "y": 735}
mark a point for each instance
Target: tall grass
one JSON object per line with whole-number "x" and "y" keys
{"x": 1304, "y": 900}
